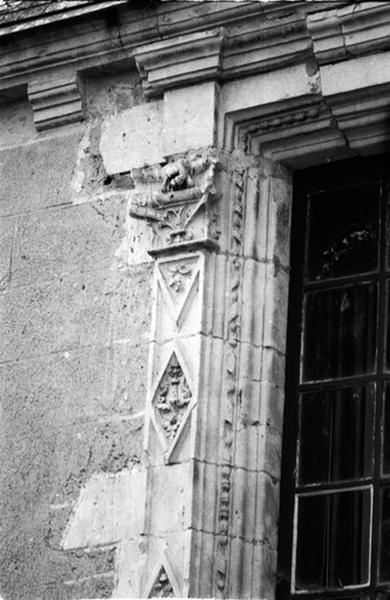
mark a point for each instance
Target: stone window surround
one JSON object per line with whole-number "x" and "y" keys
{"x": 331, "y": 112}
{"x": 336, "y": 108}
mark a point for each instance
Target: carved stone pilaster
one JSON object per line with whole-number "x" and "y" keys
{"x": 181, "y": 204}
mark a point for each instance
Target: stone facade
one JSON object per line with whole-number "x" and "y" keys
{"x": 147, "y": 159}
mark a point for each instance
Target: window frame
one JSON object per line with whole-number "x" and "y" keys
{"x": 361, "y": 170}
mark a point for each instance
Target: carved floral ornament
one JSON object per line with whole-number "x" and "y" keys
{"x": 179, "y": 274}
{"x": 172, "y": 398}
{"x": 177, "y": 203}
{"x": 162, "y": 587}
{"x": 171, "y": 403}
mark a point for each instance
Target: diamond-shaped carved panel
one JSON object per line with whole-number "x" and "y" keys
{"x": 172, "y": 398}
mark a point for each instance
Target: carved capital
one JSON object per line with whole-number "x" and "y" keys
{"x": 178, "y": 201}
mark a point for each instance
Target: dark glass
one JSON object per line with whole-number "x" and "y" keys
{"x": 343, "y": 232}
{"x": 340, "y": 332}
{"x": 384, "y": 538}
{"x": 387, "y": 362}
{"x": 336, "y": 434}
{"x": 333, "y": 540}
{"x": 386, "y": 431}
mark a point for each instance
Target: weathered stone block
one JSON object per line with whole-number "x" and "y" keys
{"x": 183, "y": 107}
{"x": 52, "y": 318}
{"x": 37, "y": 175}
{"x": 78, "y": 384}
{"x": 92, "y": 587}
{"x": 265, "y": 88}
{"x": 85, "y": 310}
{"x": 170, "y": 505}
{"x": 267, "y": 218}
{"x": 127, "y": 567}
{"x": 130, "y": 307}
{"x": 265, "y": 298}
{"x": 264, "y": 571}
{"x": 110, "y": 509}
{"x": 16, "y": 124}
{"x": 7, "y": 233}
{"x": 240, "y": 572}
{"x": 273, "y": 366}
{"x": 355, "y": 74}
{"x": 132, "y": 138}
{"x": 205, "y": 501}
{"x": 74, "y": 239}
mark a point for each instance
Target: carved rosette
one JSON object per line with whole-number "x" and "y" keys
{"x": 177, "y": 201}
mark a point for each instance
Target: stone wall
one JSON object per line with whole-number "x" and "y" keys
{"x": 75, "y": 319}
{"x": 147, "y": 155}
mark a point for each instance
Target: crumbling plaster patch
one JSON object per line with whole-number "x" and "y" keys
{"x": 100, "y": 503}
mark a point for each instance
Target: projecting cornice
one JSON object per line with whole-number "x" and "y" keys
{"x": 224, "y": 53}
{"x": 178, "y": 44}
{"x": 257, "y": 36}
{"x": 180, "y": 61}
{"x": 353, "y": 30}
{"x": 56, "y": 102}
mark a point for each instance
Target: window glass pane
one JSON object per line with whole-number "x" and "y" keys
{"x": 386, "y": 431}
{"x": 332, "y": 549}
{"x": 387, "y": 342}
{"x": 340, "y": 332}
{"x": 343, "y": 232}
{"x": 336, "y": 429}
{"x": 384, "y": 542}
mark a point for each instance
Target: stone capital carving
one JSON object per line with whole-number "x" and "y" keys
{"x": 178, "y": 200}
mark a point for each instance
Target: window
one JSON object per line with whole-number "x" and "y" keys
{"x": 334, "y": 532}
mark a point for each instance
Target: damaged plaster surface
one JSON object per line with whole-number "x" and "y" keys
{"x": 145, "y": 200}
{"x": 75, "y": 322}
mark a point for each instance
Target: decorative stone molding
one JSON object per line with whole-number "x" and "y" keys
{"x": 181, "y": 203}
{"x": 177, "y": 202}
{"x": 325, "y": 126}
{"x": 221, "y": 54}
{"x": 57, "y": 102}
{"x": 229, "y": 410}
{"x": 273, "y": 45}
{"x": 272, "y": 133}
{"x": 353, "y": 30}
{"x": 183, "y": 60}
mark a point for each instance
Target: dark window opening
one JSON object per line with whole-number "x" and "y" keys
{"x": 334, "y": 529}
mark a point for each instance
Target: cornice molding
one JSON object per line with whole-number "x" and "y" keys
{"x": 223, "y": 53}
{"x": 257, "y": 37}
{"x": 179, "y": 61}
{"x": 316, "y": 128}
{"x": 25, "y": 18}
{"x": 56, "y": 102}
{"x": 350, "y": 31}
